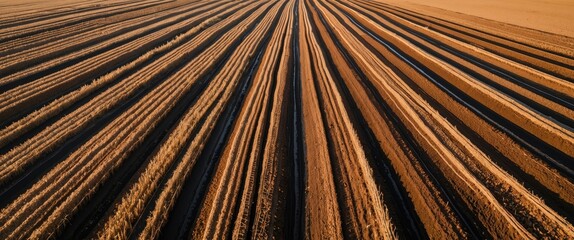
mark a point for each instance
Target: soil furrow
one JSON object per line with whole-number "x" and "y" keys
{"x": 359, "y": 119}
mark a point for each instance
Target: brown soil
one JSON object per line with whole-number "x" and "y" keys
{"x": 286, "y": 119}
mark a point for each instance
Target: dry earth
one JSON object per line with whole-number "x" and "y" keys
{"x": 160, "y": 119}
{"x": 553, "y": 16}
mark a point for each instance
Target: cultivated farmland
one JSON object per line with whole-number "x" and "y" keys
{"x": 160, "y": 119}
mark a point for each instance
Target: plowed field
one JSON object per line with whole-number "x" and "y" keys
{"x": 124, "y": 119}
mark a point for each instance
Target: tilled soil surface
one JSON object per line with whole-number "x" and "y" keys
{"x": 281, "y": 119}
